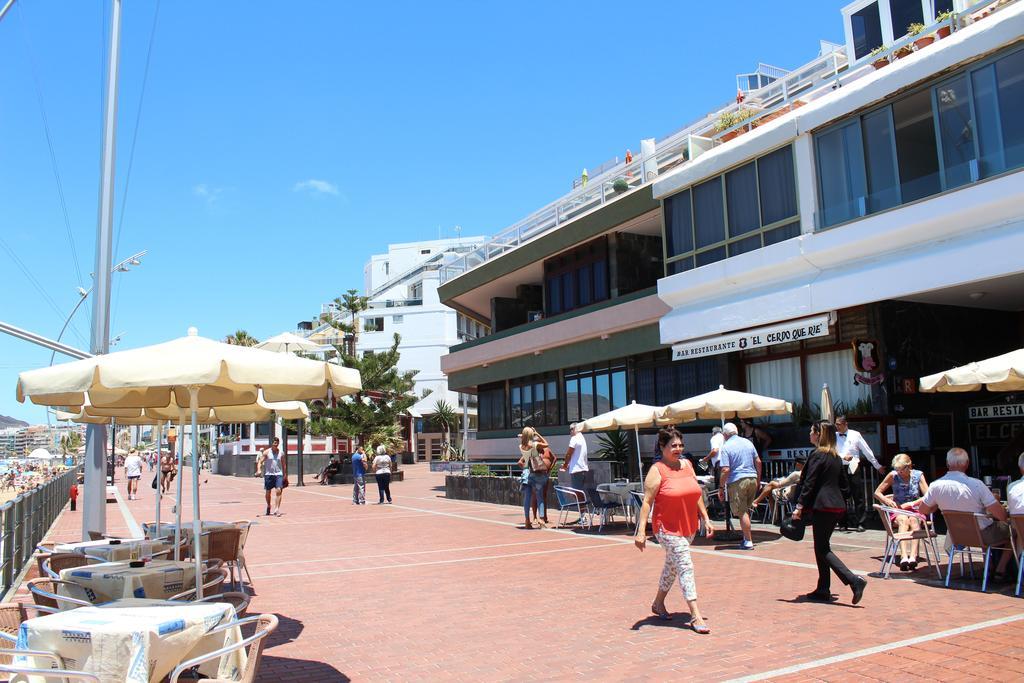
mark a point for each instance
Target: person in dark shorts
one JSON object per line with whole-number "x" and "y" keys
{"x": 274, "y": 469}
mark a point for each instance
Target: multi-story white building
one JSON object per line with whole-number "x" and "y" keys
{"x": 402, "y": 289}
{"x": 857, "y": 221}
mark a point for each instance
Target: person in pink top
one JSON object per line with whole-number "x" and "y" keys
{"x": 671, "y": 487}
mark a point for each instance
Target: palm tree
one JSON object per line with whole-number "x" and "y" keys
{"x": 242, "y": 338}
{"x": 70, "y": 442}
{"x": 447, "y": 420}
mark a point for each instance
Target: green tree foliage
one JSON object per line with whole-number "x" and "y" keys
{"x": 242, "y": 338}
{"x": 352, "y": 304}
{"x": 70, "y": 442}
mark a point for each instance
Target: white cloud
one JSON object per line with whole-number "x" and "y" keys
{"x": 316, "y": 187}
{"x": 204, "y": 191}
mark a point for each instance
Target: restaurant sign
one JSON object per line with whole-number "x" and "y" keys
{"x": 782, "y": 333}
{"x": 999, "y": 410}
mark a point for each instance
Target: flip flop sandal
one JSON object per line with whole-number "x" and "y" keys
{"x": 664, "y": 615}
{"x": 702, "y": 629}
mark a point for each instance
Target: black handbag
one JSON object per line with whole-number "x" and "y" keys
{"x": 155, "y": 477}
{"x": 793, "y": 529}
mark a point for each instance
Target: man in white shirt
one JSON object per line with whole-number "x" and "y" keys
{"x": 1015, "y": 491}
{"x": 717, "y": 439}
{"x": 854, "y": 450}
{"x": 958, "y": 492}
{"x": 576, "y": 459}
{"x": 133, "y": 472}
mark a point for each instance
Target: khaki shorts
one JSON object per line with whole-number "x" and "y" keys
{"x": 742, "y": 493}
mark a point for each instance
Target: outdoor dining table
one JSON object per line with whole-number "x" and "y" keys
{"x": 135, "y": 641}
{"x": 158, "y": 579}
{"x": 112, "y": 552}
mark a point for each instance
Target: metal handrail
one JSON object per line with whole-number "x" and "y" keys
{"x": 25, "y": 520}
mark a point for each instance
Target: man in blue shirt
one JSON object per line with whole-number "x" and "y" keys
{"x": 359, "y": 477}
{"x": 741, "y": 471}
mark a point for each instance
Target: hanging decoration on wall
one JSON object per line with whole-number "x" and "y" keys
{"x": 866, "y": 362}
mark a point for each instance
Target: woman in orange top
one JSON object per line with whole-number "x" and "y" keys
{"x": 672, "y": 488}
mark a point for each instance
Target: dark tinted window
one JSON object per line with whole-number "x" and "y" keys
{"x": 679, "y": 224}
{"x": 880, "y": 159}
{"x": 709, "y": 215}
{"x": 777, "y": 186}
{"x": 915, "y": 146}
{"x": 904, "y": 13}
{"x": 867, "y": 30}
{"x": 741, "y": 195}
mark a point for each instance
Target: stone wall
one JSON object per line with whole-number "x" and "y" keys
{"x": 312, "y": 463}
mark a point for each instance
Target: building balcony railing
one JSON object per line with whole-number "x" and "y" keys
{"x": 396, "y": 303}
{"x": 671, "y": 151}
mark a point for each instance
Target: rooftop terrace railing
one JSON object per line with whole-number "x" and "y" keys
{"x": 671, "y": 151}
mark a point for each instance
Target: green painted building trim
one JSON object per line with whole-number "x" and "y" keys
{"x": 568, "y": 235}
{"x": 519, "y": 329}
{"x": 618, "y": 345}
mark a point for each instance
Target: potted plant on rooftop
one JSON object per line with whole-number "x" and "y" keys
{"x": 924, "y": 41}
{"x": 944, "y": 31}
{"x": 880, "y": 59}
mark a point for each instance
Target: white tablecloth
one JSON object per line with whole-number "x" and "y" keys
{"x": 159, "y": 579}
{"x": 135, "y": 641}
{"x": 113, "y": 552}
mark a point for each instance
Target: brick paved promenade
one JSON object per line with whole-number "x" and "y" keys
{"x": 433, "y": 589}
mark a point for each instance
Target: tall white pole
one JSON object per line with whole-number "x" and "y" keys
{"x": 159, "y": 475}
{"x": 197, "y": 535}
{"x": 94, "y": 510}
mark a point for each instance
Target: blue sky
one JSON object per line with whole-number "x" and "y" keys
{"x": 281, "y": 144}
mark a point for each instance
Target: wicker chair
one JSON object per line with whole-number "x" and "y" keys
{"x": 58, "y": 562}
{"x": 44, "y": 594}
{"x": 265, "y": 625}
{"x": 225, "y": 545}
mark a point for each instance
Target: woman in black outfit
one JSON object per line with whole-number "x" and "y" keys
{"x": 823, "y": 494}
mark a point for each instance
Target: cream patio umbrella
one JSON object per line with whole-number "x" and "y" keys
{"x": 827, "y": 409}
{"x": 634, "y": 416}
{"x": 288, "y": 342}
{"x": 1001, "y": 373}
{"x": 190, "y": 373}
{"x": 722, "y": 403}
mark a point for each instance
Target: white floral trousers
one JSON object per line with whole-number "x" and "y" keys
{"x": 677, "y": 563}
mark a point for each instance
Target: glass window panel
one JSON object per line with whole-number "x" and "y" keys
{"x": 841, "y": 174}
{"x": 551, "y": 403}
{"x": 602, "y": 393}
{"x": 744, "y": 245}
{"x": 708, "y": 212}
{"x": 554, "y": 295}
{"x": 880, "y": 161}
{"x": 867, "y": 30}
{"x": 956, "y": 132}
{"x": 986, "y": 108}
{"x": 568, "y": 291}
{"x": 678, "y": 224}
{"x": 915, "y": 146}
{"x": 539, "y": 404}
{"x": 665, "y": 382}
{"x": 645, "y": 387}
{"x": 527, "y": 405}
{"x": 515, "y": 399}
{"x": 777, "y": 186}
{"x": 587, "y": 397}
{"x": 778, "y": 379}
{"x": 904, "y": 13}
{"x": 680, "y": 266}
{"x": 784, "y": 233}
{"x": 710, "y": 256}
{"x": 601, "y": 280}
{"x": 742, "y": 205}
{"x": 572, "y": 400}
{"x": 585, "y": 295}
{"x": 618, "y": 389}
{"x": 1010, "y": 76}
{"x": 942, "y": 6}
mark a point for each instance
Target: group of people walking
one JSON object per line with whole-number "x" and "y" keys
{"x": 381, "y": 466}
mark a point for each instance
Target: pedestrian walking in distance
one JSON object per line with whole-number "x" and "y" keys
{"x": 823, "y": 492}
{"x": 382, "y": 471}
{"x": 671, "y": 486}
{"x": 275, "y": 474}
{"x": 359, "y": 477}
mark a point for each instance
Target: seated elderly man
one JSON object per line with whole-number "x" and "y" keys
{"x": 958, "y": 492}
{"x": 783, "y": 488}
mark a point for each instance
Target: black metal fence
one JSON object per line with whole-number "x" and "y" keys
{"x": 25, "y": 520}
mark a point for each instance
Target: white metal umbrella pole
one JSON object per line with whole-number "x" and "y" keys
{"x": 177, "y": 500}
{"x": 159, "y": 478}
{"x": 639, "y": 461}
{"x": 197, "y": 549}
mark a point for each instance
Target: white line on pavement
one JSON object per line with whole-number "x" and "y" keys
{"x": 437, "y": 562}
{"x": 292, "y": 563}
{"x": 133, "y": 527}
{"x": 856, "y": 654}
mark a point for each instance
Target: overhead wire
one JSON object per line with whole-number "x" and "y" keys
{"x": 131, "y": 152}
{"x": 49, "y": 141}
